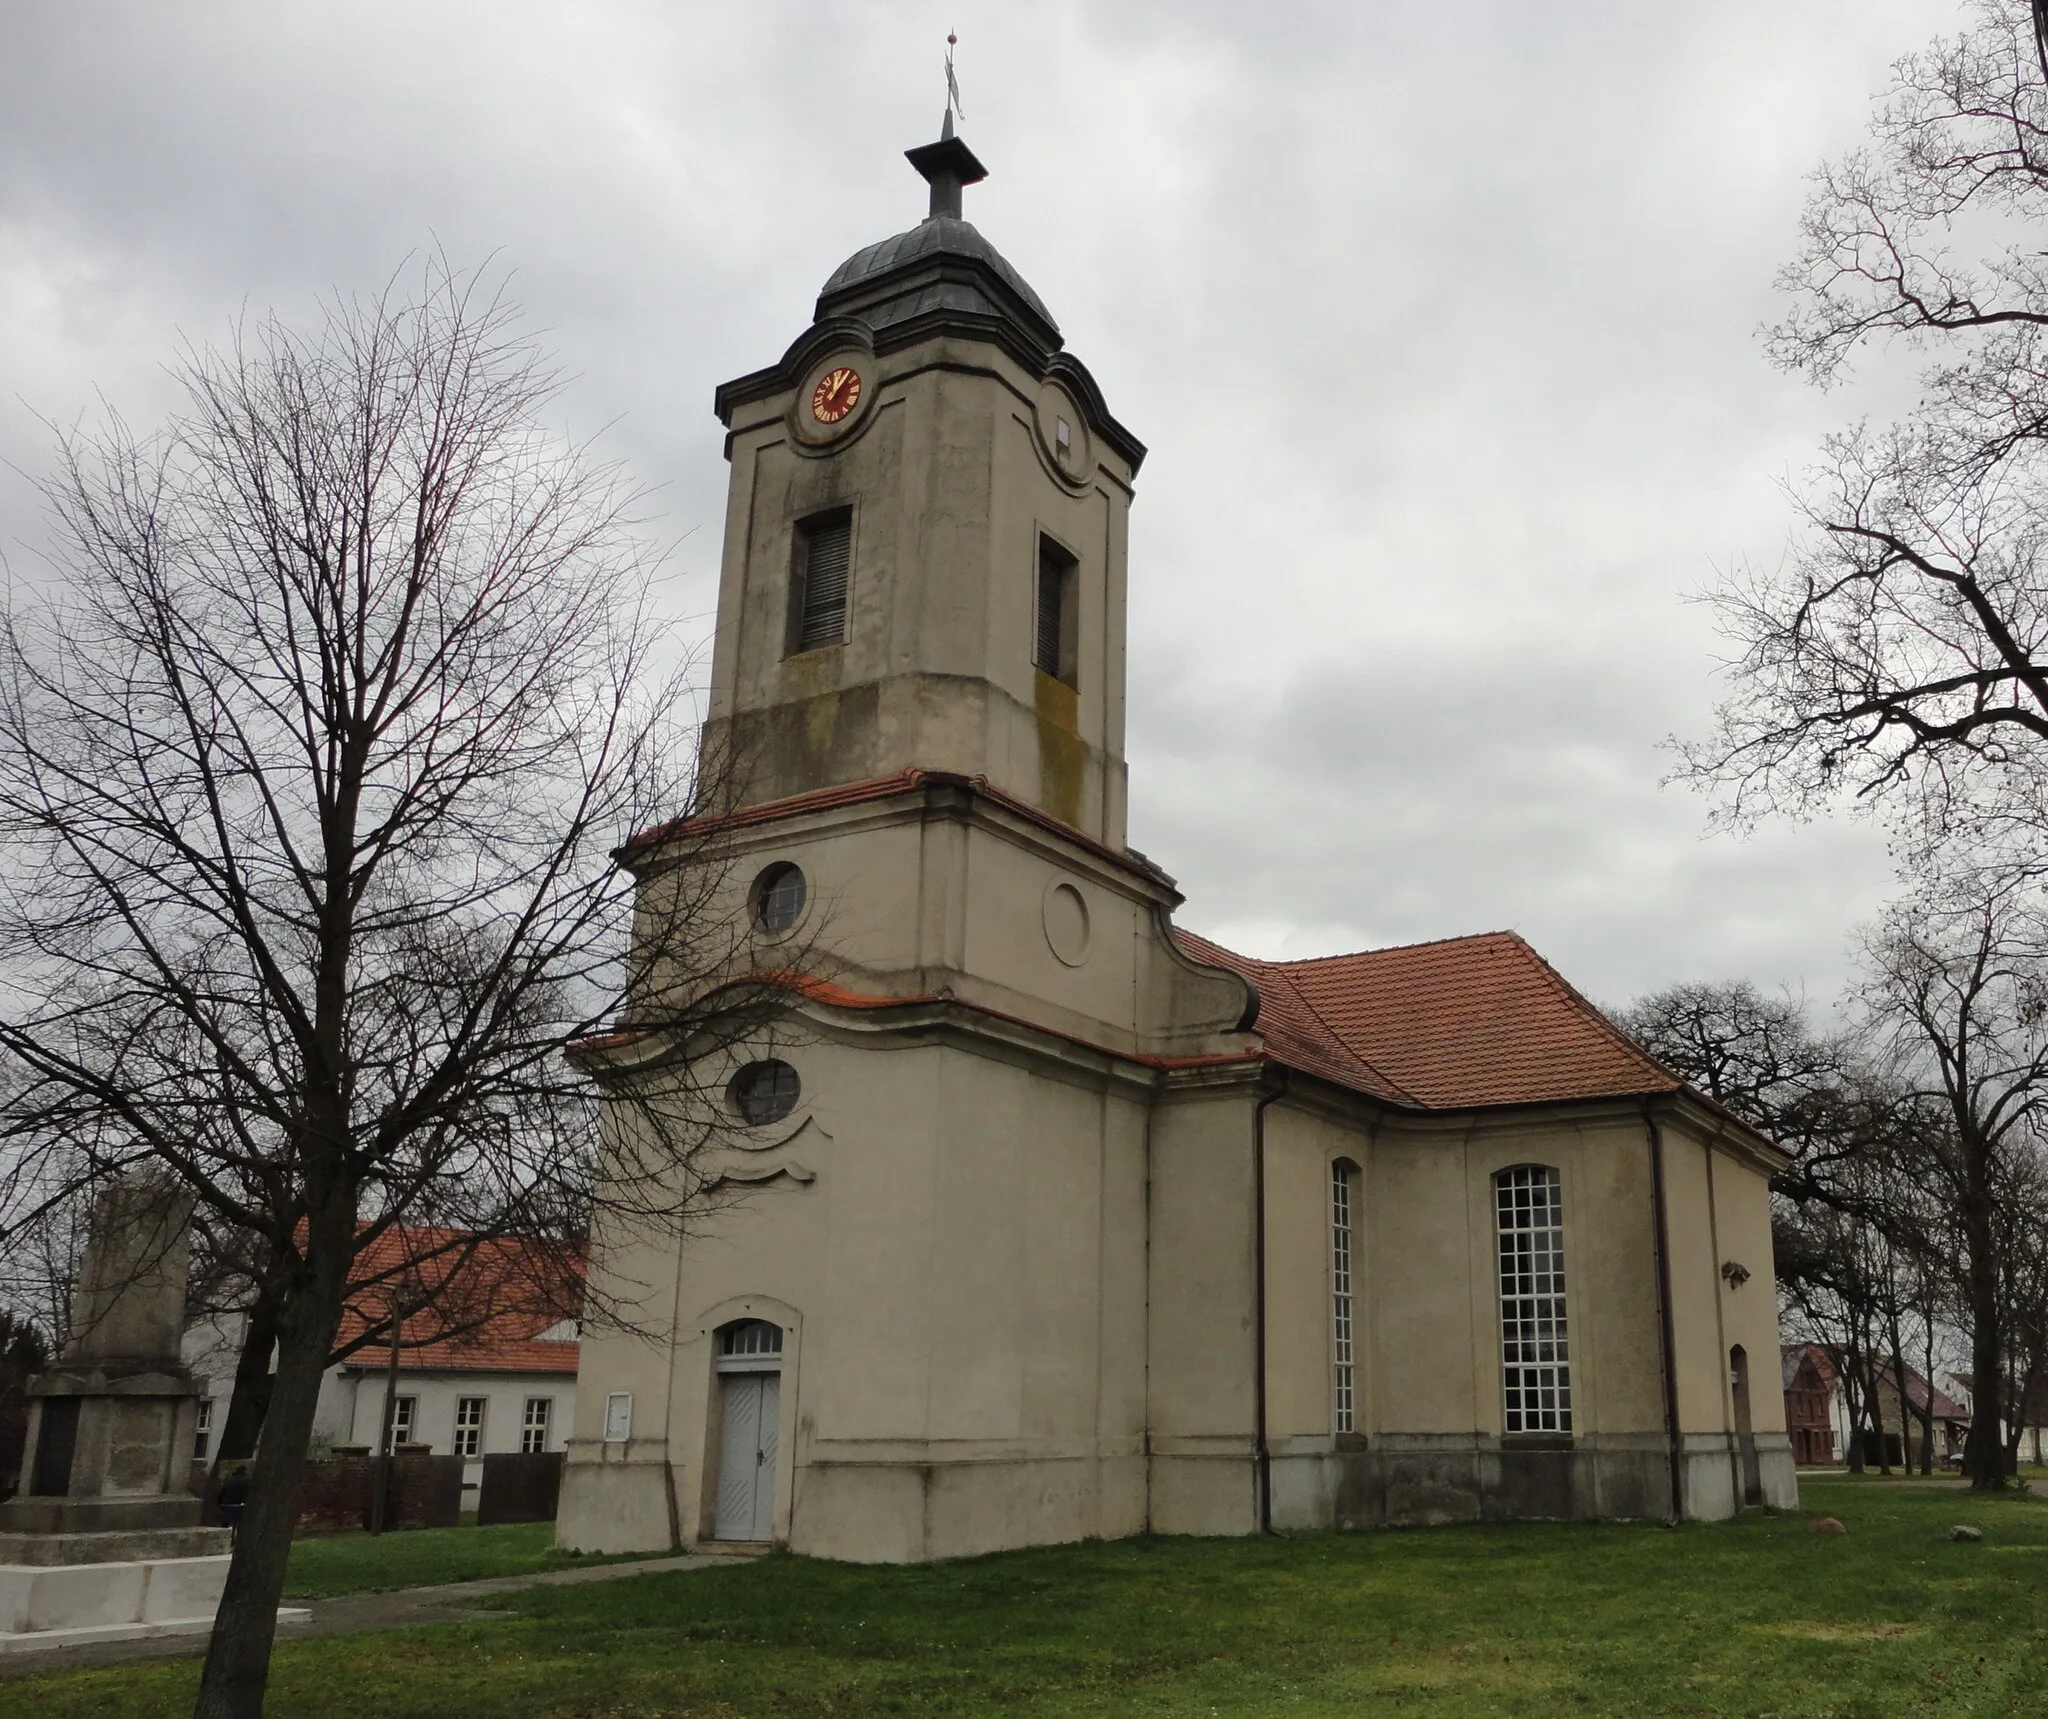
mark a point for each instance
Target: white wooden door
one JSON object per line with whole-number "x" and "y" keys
{"x": 746, "y": 1459}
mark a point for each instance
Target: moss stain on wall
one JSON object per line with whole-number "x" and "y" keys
{"x": 1062, "y": 754}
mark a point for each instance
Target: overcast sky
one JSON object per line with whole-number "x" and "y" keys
{"x": 1439, "y": 321}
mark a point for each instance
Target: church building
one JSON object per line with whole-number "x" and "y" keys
{"x": 1052, "y": 1218}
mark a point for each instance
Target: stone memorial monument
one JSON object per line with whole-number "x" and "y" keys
{"x": 102, "y": 1540}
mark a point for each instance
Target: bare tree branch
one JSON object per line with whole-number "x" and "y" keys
{"x": 311, "y": 773}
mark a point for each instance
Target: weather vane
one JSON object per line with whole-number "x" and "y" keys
{"x": 953, "y": 83}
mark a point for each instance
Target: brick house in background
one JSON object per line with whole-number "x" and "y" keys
{"x": 1817, "y": 1412}
{"x": 489, "y": 1368}
{"x": 1810, "y": 1387}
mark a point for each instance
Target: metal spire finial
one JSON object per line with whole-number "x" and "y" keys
{"x": 948, "y": 164}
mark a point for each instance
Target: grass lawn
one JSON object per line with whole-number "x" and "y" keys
{"x": 368, "y": 1564}
{"x": 1757, "y": 1617}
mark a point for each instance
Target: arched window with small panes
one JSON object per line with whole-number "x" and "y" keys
{"x": 1536, "y": 1377}
{"x": 749, "y": 1340}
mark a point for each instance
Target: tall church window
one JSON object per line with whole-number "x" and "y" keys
{"x": 1058, "y": 600}
{"x": 1344, "y": 1395}
{"x": 1535, "y": 1360}
{"x": 824, "y": 571}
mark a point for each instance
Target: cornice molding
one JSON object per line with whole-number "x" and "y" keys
{"x": 838, "y": 333}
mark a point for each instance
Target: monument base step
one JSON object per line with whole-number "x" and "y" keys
{"x": 60, "y": 1600}
{"x": 118, "y": 1546}
{"x": 143, "y": 1513}
{"x": 31, "y": 1641}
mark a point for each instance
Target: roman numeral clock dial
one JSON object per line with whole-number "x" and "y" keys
{"x": 837, "y": 393}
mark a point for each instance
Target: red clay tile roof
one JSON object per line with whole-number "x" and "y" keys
{"x": 493, "y": 1300}
{"x": 1946, "y": 1408}
{"x": 1456, "y": 1025}
{"x": 1462, "y": 1024}
{"x": 1793, "y": 1356}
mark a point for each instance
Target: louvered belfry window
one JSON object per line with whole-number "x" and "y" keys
{"x": 1536, "y": 1375}
{"x": 823, "y": 574}
{"x": 1052, "y": 644}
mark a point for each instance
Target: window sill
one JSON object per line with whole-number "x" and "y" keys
{"x": 1536, "y": 1441}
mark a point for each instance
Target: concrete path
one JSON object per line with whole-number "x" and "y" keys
{"x": 452, "y": 1602}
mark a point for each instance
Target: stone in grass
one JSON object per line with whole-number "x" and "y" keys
{"x": 1963, "y": 1531}
{"x": 1829, "y": 1525}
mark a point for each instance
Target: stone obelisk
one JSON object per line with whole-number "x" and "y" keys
{"x": 102, "y": 1539}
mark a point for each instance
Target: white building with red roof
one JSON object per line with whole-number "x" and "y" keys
{"x": 1050, "y": 1219}
{"x": 485, "y": 1360}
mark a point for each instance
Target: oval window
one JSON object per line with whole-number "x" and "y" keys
{"x": 764, "y": 1092}
{"x": 779, "y": 895}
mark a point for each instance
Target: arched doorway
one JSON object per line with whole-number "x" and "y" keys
{"x": 750, "y": 1412}
{"x": 1745, "y": 1432}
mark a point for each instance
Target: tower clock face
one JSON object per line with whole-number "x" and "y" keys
{"x": 837, "y": 393}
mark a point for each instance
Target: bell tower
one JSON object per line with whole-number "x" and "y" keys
{"x": 924, "y": 556}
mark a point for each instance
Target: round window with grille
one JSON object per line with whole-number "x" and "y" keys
{"x": 764, "y": 1092}
{"x": 779, "y": 895}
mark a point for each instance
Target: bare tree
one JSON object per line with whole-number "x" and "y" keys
{"x": 311, "y": 767}
{"x": 1957, "y": 985}
{"x": 45, "y": 1204}
{"x": 420, "y": 1286}
{"x": 1863, "y": 1247}
{"x": 1901, "y": 653}
{"x": 1757, "y": 1056}
{"x": 23, "y": 1353}
{"x": 2022, "y": 1222}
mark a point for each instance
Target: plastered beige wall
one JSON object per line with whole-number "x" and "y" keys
{"x": 1748, "y": 1309}
{"x": 966, "y": 1264}
{"x": 950, "y": 486}
{"x": 1300, "y": 1147}
{"x": 1201, "y": 1268}
{"x": 1427, "y": 1341}
{"x": 1697, "y": 1326}
{"x": 938, "y": 891}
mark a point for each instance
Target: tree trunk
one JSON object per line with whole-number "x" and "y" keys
{"x": 1873, "y": 1397}
{"x": 1927, "y": 1443}
{"x": 387, "y": 1445}
{"x": 2016, "y": 1414}
{"x": 1852, "y": 1405}
{"x": 1909, "y": 1411}
{"x": 1983, "y": 1453}
{"x": 251, "y": 1398}
{"x": 237, "y": 1669}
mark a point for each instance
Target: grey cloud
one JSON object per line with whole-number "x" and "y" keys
{"x": 1399, "y": 797}
{"x": 1439, "y": 321}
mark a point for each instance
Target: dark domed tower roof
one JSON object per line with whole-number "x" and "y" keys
{"x": 942, "y": 268}
{"x": 939, "y": 279}
{"x": 943, "y": 263}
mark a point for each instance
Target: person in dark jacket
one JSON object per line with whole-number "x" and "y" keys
{"x": 234, "y": 1495}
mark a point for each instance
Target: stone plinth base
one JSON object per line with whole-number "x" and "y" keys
{"x": 56, "y": 1605}
{"x": 135, "y": 1545}
{"x": 155, "y": 1510}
